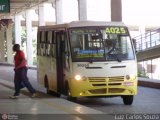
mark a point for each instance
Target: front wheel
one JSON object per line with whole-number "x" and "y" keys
{"x": 127, "y": 99}
{"x": 69, "y": 96}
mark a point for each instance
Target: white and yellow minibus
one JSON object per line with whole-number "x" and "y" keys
{"x": 87, "y": 59}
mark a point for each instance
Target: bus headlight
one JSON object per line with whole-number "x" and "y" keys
{"x": 130, "y": 77}
{"x": 78, "y": 77}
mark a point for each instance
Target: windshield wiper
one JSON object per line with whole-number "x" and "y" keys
{"x": 115, "y": 56}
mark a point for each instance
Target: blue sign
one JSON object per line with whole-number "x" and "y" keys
{"x": 90, "y": 51}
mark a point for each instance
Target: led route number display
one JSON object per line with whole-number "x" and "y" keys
{"x": 116, "y": 30}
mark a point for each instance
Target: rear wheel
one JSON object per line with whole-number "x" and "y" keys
{"x": 46, "y": 85}
{"x": 49, "y": 92}
{"x": 128, "y": 99}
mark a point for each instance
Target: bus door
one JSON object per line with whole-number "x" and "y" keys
{"x": 60, "y": 46}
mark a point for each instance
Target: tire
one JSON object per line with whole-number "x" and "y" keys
{"x": 69, "y": 96}
{"x": 128, "y": 99}
{"x": 46, "y": 85}
{"x": 57, "y": 94}
{"x": 49, "y": 92}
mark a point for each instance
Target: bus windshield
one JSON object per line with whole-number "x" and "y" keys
{"x": 100, "y": 44}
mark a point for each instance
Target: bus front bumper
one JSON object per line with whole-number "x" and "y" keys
{"x": 103, "y": 87}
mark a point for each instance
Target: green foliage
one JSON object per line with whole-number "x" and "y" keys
{"x": 142, "y": 74}
{"x": 34, "y": 45}
{"x": 23, "y": 37}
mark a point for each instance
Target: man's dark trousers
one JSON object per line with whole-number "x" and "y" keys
{"x": 21, "y": 80}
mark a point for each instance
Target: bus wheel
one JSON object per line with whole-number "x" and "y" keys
{"x": 69, "y": 97}
{"x": 46, "y": 85}
{"x": 57, "y": 94}
{"x": 128, "y": 99}
{"x": 49, "y": 92}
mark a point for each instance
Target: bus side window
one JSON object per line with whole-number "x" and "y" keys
{"x": 39, "y": 42}
{"x": 53, "y": 37}
{"x": 49, "y": 41}
{"x": 66, "y": 54}
{"x": 38, "y": 48}
{"x": 53, "y": 51}
{"x": 65, "y": 50}
{"x": 53, "y": 45}
{"x": 39, "y": 37}
{"x": 43, "y": 45}
{"x": 46, "y": 49}
{"x": 42, "y": 37}
{"x": 41, "y": 49}
{"x": 46, "y": 37}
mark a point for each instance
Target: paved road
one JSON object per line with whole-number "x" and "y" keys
{"x": 147, "y": 101}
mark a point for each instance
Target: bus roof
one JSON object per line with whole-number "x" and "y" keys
{"x": 94, "y": 23}
{"x": 83, "y": 24}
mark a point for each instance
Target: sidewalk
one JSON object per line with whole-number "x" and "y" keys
{"x": 146, "y": 82}
{"x": 42, "y": 107}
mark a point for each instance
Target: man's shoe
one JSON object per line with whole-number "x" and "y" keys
{"x": 33, "y": 95}
{"x": 14, "y": 97}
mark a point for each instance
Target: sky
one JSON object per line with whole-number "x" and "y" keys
{"x": 139, "y": 12}
{"x": 134, "y": 12}
{"x": 145, "y": 12}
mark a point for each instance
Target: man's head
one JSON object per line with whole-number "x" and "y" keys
{"x": 16, "y": 47}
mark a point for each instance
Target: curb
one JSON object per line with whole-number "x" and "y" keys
{"x": 149, "y": 84}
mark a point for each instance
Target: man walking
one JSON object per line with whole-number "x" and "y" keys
{"x": 20, "y": 77}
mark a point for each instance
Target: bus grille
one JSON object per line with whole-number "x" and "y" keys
{"x": 96, "y": 79}
{"x": 98, "y": 91}
{"x": 116, "y": 90}
{"x": 116, "y": 79}
{"x": 106, "y": 84}
{"x": 113, "y": 81}
{"x": 102, "y": 81}
{"x": 98, "y": 82}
